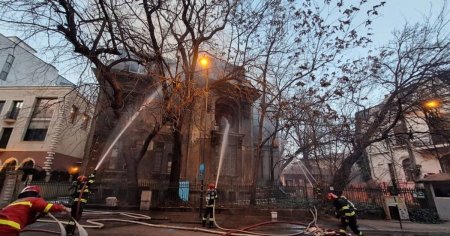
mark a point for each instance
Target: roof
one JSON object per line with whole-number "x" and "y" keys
{"x": 441, "y": 177}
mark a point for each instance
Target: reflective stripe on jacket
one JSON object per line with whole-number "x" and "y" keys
{"x": 211, "y": 197}
{"x": 344, "y": 208}
{"x": 23, "y": 212}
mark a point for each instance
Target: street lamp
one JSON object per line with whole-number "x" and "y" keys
{"x": 204, "y": 62}
{"x": 73, "y": 170}
{"x": 431, "y": 104}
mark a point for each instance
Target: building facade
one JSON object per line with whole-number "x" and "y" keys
{"x": 44, "y": 121}
{"x": 232, "y": 100}
{"x": 418, "y": 145}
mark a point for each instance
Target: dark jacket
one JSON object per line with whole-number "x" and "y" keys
{"x": 344, "y": 208}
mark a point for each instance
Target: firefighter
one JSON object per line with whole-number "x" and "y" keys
{"x": 346, "y": 212}
{"x": 211, "y": 197}
{"x": 25, "y": 211}
{"x": 82, "y": 191}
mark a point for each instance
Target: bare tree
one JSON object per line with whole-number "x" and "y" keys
{"x": 418, "y": 56}
{"x": 165, "y": 37}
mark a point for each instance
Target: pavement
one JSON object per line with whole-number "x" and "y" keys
{"x": 189, "y": 225}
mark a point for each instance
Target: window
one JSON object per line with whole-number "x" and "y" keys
{"x": 7, "y": 67}
{"x": 85, "y": 124}
{"x": 169, "y": 163}
{"x": 10, "y": 166}
{"x": 439, "y": 125}
{"x": 73, "y": 114}
{"x": 441, "y": 189}
{"x": 6, "y": 134}
{"x": 14, "y": 113}
{"x": 401, "y": 133}
{"x": 158, "y": 157}
{"x": 2, "y": 104}
{"x": 406, "y": 164}
{"x": 40, "y": 119}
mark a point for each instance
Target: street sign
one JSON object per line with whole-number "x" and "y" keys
{"x": 202, "y": 168}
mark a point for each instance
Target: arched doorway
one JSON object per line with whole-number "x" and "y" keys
{"x": 27, "y": 167}
{"x": 9, "y": 165}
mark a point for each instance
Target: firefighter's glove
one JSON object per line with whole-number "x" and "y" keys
{"x": 67, "y": 209}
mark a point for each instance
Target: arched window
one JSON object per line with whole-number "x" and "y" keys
{"x": 10, "y": 165}
{"x": 226, "y": 109}
{"x": 406, "y": 164}
{"x": 28, "y": 164}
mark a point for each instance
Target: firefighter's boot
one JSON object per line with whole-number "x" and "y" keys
{"x": 211, "y": 224}
{"x": 204, "y": 223}
{"x": 70, "y": 228}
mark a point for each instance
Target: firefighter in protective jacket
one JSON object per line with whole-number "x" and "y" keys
{"x": 346, "y": 212}
{"x": 80, "y": 196}
{"x": 211, "y": 197}
{"x": 25, "y": 211}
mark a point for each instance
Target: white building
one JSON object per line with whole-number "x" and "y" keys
{"x": 418, "y": 145}
{"x": 44, "y": 121}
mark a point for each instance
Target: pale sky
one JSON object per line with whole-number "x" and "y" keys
{"x": 393, "y": 15}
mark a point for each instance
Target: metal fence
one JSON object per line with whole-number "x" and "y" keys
{"x": 414, "y": 197}
{"x": 51, "y": 191}
{"x": 189, "y": 195}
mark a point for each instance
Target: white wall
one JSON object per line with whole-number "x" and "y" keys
{"x": 379, "y": 164}
{"x": 380, "y": 155}
{"x": 27, "y": 69}
{"x": 72, "y": 139}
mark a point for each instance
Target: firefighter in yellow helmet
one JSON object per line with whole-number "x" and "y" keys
{"x": 346, "y": 212}
{"x": 80, "y": 196}
{"x": 211, "y": 197}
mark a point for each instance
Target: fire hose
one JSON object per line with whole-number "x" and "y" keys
{"x": 135, "y": 218}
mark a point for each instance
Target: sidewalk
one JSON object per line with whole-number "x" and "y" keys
{"x": 370, "y": 227}
{"x": 408, "y": 227}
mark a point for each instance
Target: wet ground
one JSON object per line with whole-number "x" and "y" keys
{"x": 191, "y": 221}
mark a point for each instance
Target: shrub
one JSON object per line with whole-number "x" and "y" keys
{"x": 421, "y": 215}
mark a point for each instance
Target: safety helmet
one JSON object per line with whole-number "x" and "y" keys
{"x": 82, "y": 178}
{"x": 32, "y": 188}
{"x": 211, "y": 186}
{"x": 331, "y": 196}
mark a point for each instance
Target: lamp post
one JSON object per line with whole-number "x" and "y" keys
{"x": 204, "y": 62}
{"x": 73, "y": 170}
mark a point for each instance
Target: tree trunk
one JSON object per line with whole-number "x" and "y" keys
{"x": 341, "y": 178}
{"x": 176, "y": 161}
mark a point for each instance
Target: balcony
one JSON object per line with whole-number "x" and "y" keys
{"x": 11, "y": 116}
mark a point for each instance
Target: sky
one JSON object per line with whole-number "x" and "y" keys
{"x": 393, "y": 15}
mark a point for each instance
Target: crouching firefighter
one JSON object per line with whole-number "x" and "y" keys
{"x": 25, "y": 211}
{"x": 211, "y": 197}
{"x": 82, "y": 191}
{"x": 346, "y": 212}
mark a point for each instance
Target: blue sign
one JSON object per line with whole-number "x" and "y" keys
{"x": 183, "y": 191}
{"x": 202, "y": 168}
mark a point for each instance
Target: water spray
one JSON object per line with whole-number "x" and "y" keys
{"x": 130, "y": 121}
{"x": 223, "y": 148}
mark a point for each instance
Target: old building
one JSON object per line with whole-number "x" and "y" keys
{"x": 232, "y": 100}
{"x": 418, "y": 145}
{"x": 44, "y": 121}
